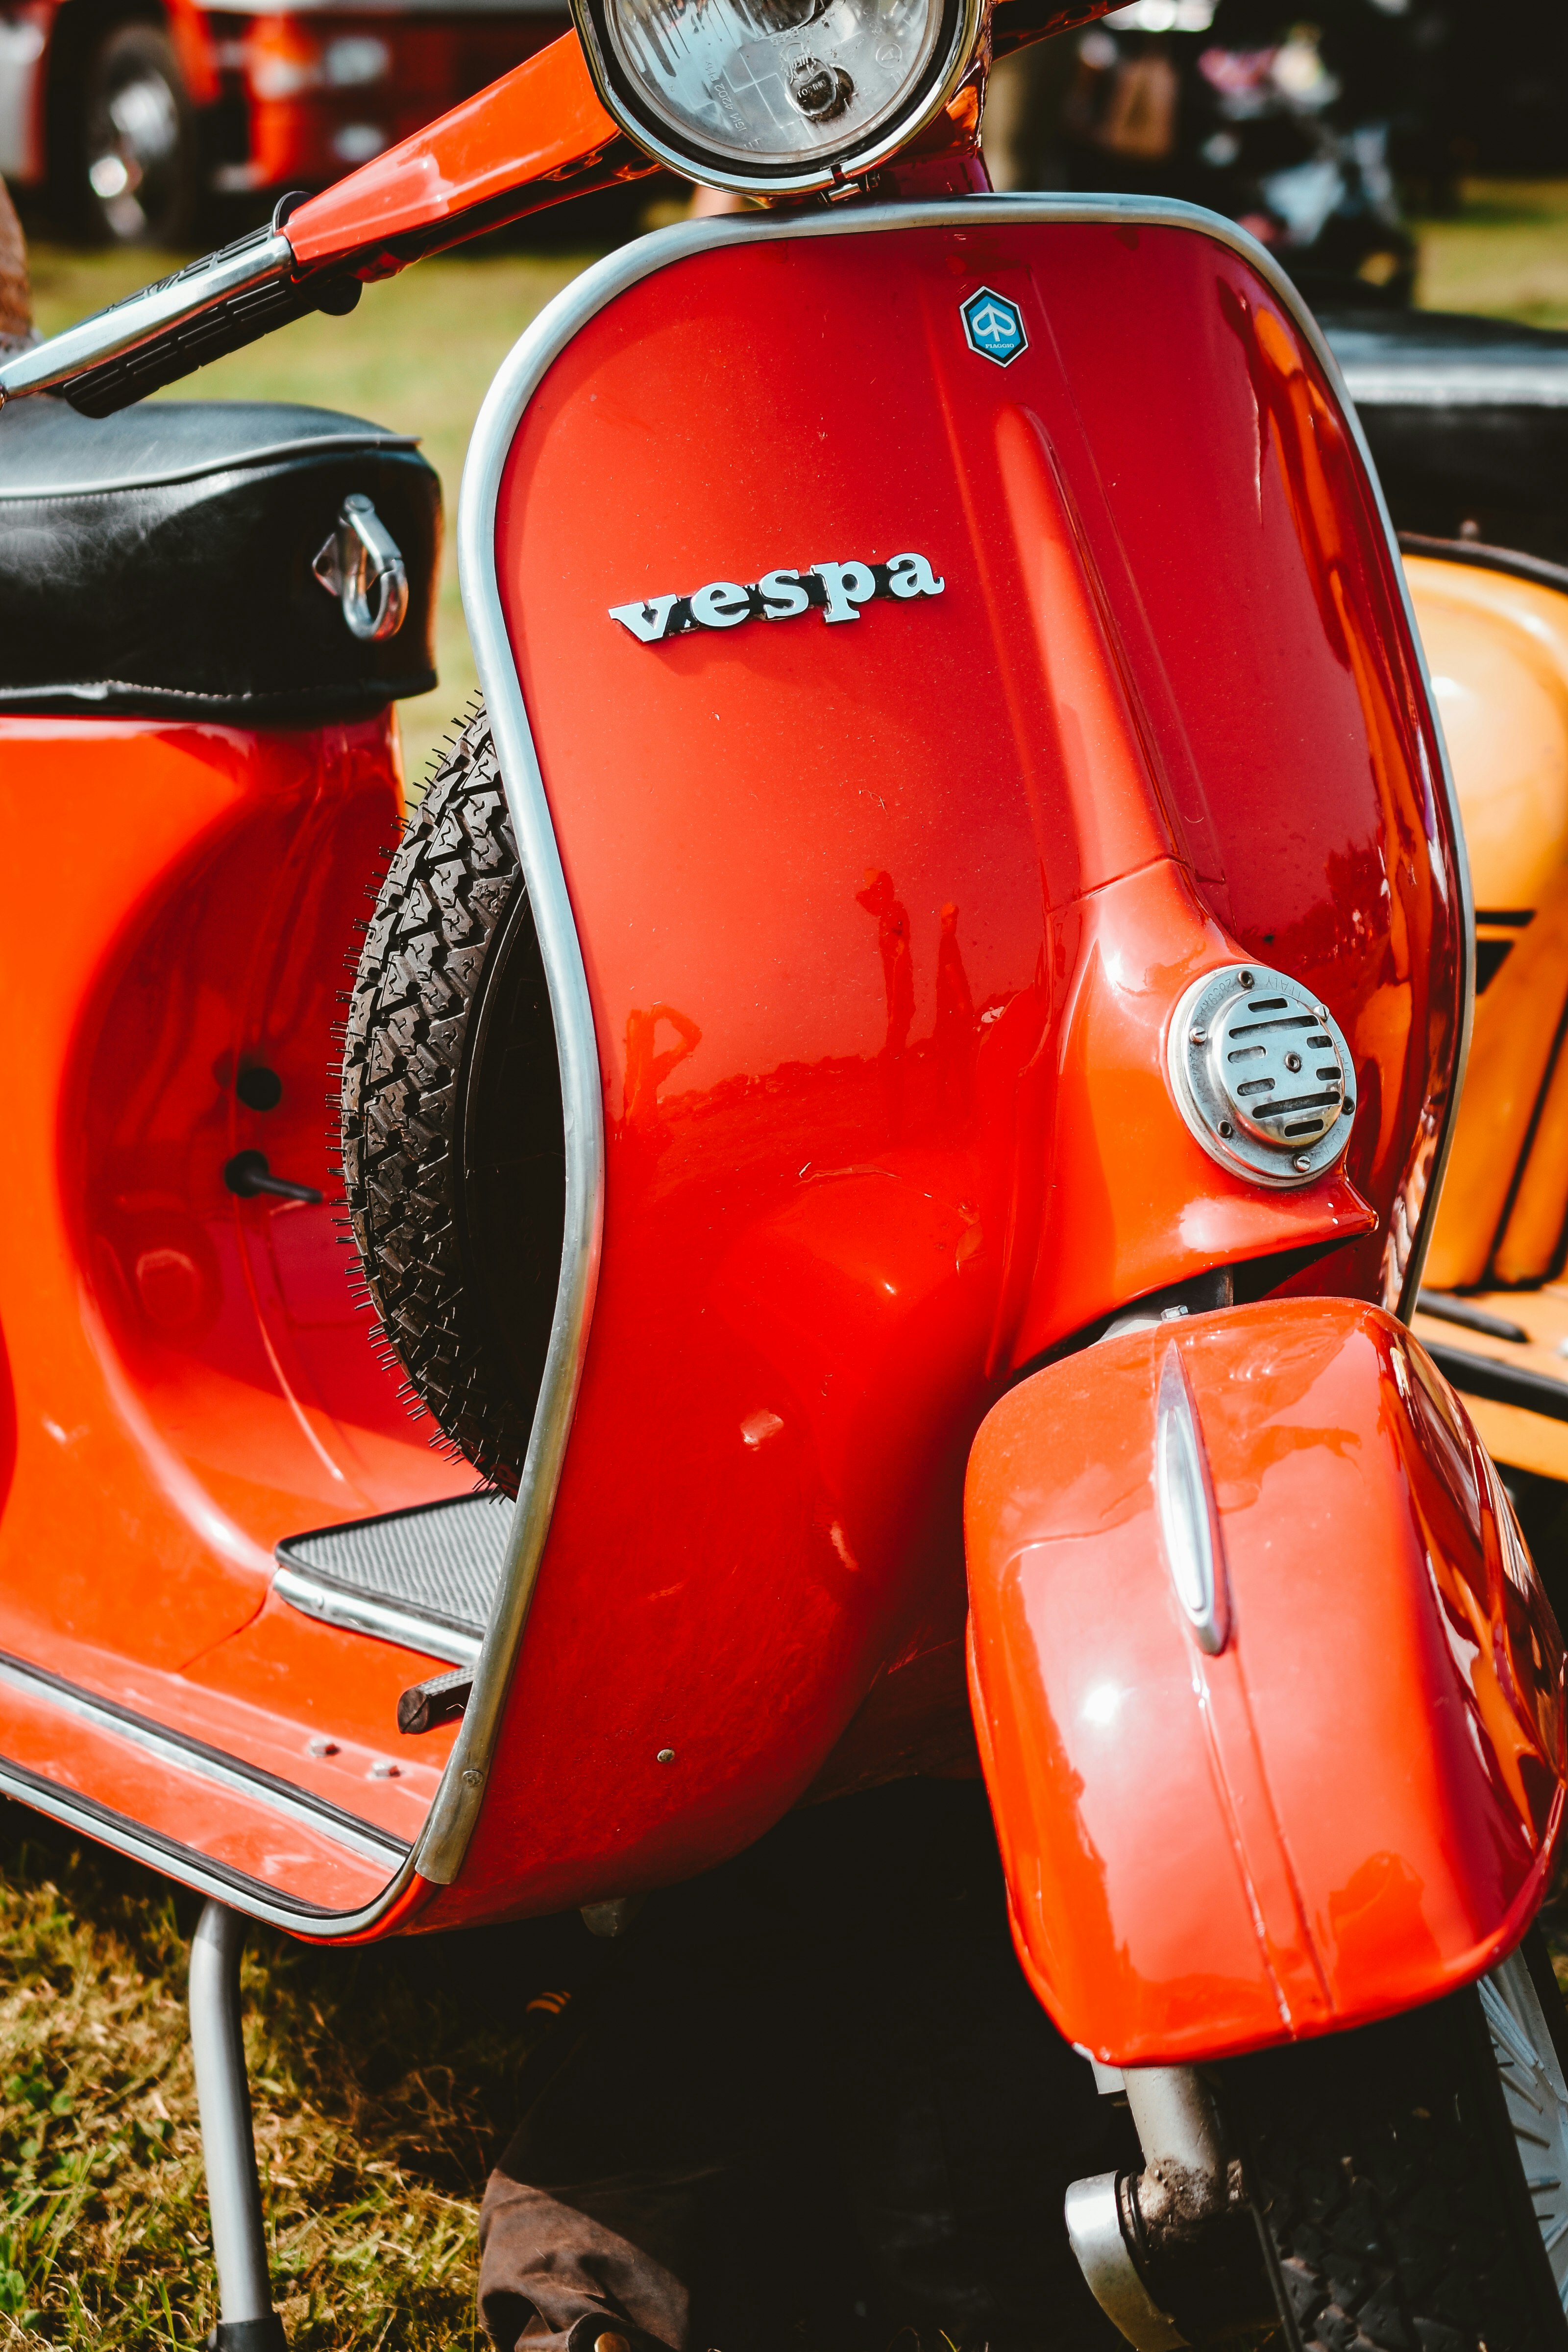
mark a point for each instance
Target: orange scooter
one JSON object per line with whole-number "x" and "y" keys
{"x": 1468, "y": 419}
{"x": 891, "y": 1103}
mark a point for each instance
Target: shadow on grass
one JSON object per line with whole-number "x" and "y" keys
{"x": 384, "y": 2079}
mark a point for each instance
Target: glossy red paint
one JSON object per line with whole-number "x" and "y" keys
{"x": 191, "y": 1378}
{"x": 909, "y": 901}
{"x": 883, "y": 923}
{"x": 297, "y": 112}
{"x": 1349, "y": 1810}
{"x": 541, "y": 123}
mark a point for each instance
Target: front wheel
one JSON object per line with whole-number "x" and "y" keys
{"x": 1411, "y": 2179}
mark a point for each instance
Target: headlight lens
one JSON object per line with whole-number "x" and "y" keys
{"x": 762, "y": 92}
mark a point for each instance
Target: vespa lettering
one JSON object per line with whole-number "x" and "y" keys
{"x": 836, "y": 590}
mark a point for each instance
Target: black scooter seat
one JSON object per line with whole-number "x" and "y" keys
{"x": 158, "y": 562}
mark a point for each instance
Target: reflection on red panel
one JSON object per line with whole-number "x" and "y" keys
{"x": 191, "y": 1378}
{"x": 1351, "y": 1808}
{"x": 883, "y": 919}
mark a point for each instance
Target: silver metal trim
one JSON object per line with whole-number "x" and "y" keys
{"x": 364, "y": 1843}
{"x": 835, "y": 171}
{"x": 137, "y": 320}
{"x": 1091, "y": 2209}
{"x": 438, "y": 1854}
{"x": 1218, "y": 1115}
{"x": 223, "y": 2104}
{"x": 1189, "y": 1516}
{"x": 358, "y": 1613}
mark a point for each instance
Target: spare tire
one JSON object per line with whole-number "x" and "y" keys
{"x": 454, "y": 1165}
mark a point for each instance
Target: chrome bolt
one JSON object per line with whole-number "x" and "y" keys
{"x": 665, "y": 1756}
{"x": 1302, "y": 1160}
{"x": 1197, "y": 1036}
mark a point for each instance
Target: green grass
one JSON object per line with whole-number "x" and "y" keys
{"x": 1505, "y": 253}
{"x": 384, "y": 2081}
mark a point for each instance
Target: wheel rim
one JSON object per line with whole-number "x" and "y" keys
{"x": 1537, "y": 2100}
{"x": 133, "y": 156}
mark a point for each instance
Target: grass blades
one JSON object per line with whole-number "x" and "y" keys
{"x": 385, "y": 2082}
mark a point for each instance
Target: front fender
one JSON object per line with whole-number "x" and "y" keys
{"x": 1328, "y": 1793}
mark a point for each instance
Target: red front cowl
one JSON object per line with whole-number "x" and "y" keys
{"x": 1348, "y": 1810}
{"x": 884, "y": 920}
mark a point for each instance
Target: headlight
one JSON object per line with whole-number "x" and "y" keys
{"x": 775, "y": 94}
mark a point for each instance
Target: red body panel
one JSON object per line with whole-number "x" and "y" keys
{"x": 1165, "y": 710}
{"x": 304, "y": 121}
{"x": 540, "y": 122}
{"x": 190, "y": 1379}
{"x": 1352, "y": 1807}
{"x": 883, "y": 923}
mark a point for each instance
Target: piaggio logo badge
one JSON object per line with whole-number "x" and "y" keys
{"x": 836, "y": 590}
{"x": 994, "y": 327}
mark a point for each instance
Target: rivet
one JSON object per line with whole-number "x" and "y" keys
{"x": 665, "y": 1756}
{"x": 473, "y": 1780}
{"x": 1348, "y": 1105}
{"x": 1226, "y": 1129}
{"x": 385, "y": 1770}
{"x": 611, "y": 2343}
{"x": 322, "y": 1748}
{"x": 1248, "y": 980}
{"x": 1292, "y": 1061}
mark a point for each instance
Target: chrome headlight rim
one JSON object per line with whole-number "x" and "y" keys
{"x": 955, "y": 53}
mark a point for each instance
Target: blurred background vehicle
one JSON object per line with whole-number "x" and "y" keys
{"x": 133, "y": 118}
{"x": 1305, "y": 124}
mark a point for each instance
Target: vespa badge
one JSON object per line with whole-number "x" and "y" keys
{"x": 836, "y": 590}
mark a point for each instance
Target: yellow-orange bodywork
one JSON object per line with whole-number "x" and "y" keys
{"x": 1497, "y": 648}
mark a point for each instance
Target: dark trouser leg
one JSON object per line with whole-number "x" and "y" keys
{"x": 816, "y": 2103}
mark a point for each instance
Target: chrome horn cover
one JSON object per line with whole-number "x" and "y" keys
{"x": 1262, "y": 1074}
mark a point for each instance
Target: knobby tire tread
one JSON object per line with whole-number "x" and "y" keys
{"x": 1389, "y": 2189}
{"x": 412, "y": 1012}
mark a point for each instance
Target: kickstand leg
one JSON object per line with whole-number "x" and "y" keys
{"x": 246, "y": 2321}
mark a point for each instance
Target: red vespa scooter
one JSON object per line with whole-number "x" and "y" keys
{"x": 921, "y": 1018}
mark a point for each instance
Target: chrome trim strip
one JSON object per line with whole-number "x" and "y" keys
{"x": 154, "y": 1851}
{"x": 204, "y": 1763}
{"x": 452, "y": 1817}
{"x": 139, "y": 317}
{"x": 356, "y": 1613}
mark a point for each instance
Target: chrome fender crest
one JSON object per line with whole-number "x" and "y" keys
{"x": 836, "y": 589}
